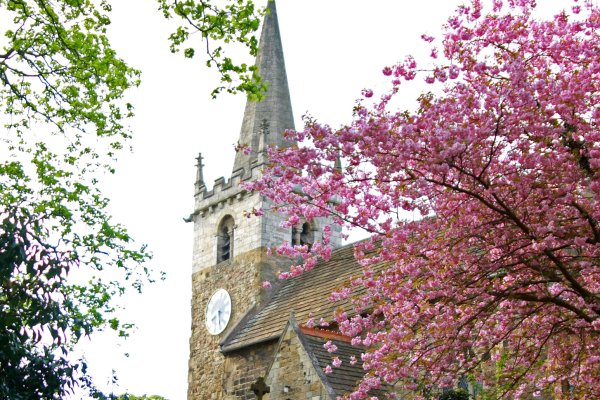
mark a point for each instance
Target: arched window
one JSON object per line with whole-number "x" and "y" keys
{"x": 303, "y": 235}
{"x": 225, "y": 239}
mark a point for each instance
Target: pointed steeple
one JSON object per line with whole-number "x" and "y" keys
{"x": 276, "y": 107}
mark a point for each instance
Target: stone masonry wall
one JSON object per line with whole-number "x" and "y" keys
{"x": 213, "y": 375}
{"x": 244, "y": 367}
{"x": 246, "y": 234}
{"x": 274, "y": 235}
{"x": 240, "y": 278}
{"x": 293, "y": 368}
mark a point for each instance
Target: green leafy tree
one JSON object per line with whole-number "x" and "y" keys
{"x": 143, "y": 397}
{"x": 235, "y": 21}
{"x": 455, "y": 394}
{"x": 61, "y": 104}
{"x": 63, "y": 260}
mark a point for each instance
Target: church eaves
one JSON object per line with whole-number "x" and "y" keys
{"x": 265, "y": 122}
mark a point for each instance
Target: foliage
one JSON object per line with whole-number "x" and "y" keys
{"x": 143, "y": 397}
{"x": 235, "y": 21}
{"x": 455, "y": 394}
{"x": 61, "y": 101}
{"x": 483, "y": 205}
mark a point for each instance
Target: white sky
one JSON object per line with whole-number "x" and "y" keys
{"x": 333, "y": 49}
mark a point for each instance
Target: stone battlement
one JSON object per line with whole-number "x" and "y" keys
{"x": 224, "y": 191}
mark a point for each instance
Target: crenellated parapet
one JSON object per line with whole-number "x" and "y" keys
{"x": 224, "y": 191}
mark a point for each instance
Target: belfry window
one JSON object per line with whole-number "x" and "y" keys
{"x": 225, "y": 239}
{"x": 303, "y": 235}
{"x": 225, "y": 244}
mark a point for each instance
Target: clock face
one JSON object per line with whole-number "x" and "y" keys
{"x": 218, "y": 311}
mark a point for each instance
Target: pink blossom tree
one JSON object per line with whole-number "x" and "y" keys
{"x": 498, "y": 278}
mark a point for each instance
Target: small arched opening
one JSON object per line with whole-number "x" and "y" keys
{"x": 303, "y": 234}
{"x": 225, "y": 239}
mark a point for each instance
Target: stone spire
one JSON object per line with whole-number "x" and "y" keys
{"x": 276, "y": 107}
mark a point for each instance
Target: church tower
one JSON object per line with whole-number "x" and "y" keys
{"x": 229, "y": 255}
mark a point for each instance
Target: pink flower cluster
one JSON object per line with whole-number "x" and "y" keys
{"x": 330, "y": 347}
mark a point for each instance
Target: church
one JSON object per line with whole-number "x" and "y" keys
{"x": 248, "y": 342}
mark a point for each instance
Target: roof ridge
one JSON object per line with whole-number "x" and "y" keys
{"x": 325, "y": 334}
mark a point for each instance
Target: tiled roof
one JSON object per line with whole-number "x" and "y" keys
{"x": 305, "y": 294}
{"x": 344, "y": 378}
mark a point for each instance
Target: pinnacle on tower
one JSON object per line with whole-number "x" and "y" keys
{"x": 199, "y": 174}
{"x": 276, "y": 106}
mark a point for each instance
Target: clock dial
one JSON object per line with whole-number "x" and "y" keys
{"x": 218, "y": 312}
